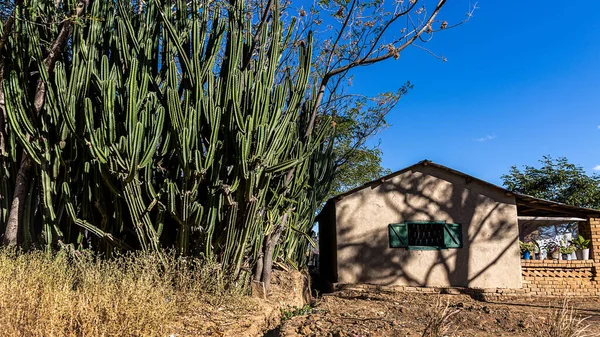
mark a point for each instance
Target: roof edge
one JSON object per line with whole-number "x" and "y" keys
{"x": 427, "y": 162}
{"x": 424, "y": 162}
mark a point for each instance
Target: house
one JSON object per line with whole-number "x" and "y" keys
{"x": 431, "y": 226}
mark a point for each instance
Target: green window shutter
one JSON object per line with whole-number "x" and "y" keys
{"x": 398, "y": 235}
{"x": 453, "y": 235}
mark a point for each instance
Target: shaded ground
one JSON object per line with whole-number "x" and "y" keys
{"x": 353, "y": 313}
{"x": 245, "y": 316}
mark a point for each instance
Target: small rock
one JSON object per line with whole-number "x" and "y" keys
{"x": 486, "y": 310}
{"x": 305, "y": 330}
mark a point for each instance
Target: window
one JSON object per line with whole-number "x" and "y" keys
{"x": 425, "y": 235}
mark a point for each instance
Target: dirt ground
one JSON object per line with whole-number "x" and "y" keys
{"x": 245, "y": 316}
{"x": 361, "y": 314}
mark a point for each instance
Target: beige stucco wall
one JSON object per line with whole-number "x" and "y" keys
{"x": 490, "y": 254}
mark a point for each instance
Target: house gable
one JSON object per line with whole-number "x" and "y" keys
{"x": 428, "y": 192}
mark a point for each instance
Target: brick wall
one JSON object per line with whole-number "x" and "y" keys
{"x": 548, "y": 278}
{"x": 591, "y": 230}
{"x": 560, "y": 278}
{"x": 571, "y": 278}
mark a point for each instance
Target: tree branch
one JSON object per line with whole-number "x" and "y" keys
{"x": 337, "y": 40}
{"x": 256, "y": 38}
{"x": 366, "y": 61}
{"x": 396, "y": 51}
{"x": 55, "y": 51}
{"x": 388, "y": 24}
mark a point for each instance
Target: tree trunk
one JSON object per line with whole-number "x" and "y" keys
{"x": 268, "y": 259}
{"x": 25, "y": 169}
{"x": 259, "y": 267}
{"x": 269, "y": 249}
{"x": 11, "y": 233}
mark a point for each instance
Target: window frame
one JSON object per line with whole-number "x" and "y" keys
{"x": 420, "y": 247}
{"x": 450, "y": 230}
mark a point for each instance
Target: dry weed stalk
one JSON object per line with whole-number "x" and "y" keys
{"x": 563, "y": 322}
{"x": 437, "y": 320}
{"x": 78, "y": 295}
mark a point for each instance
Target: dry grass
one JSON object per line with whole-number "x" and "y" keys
{"x": 437, "y": 322}
{"x": 564, "y": 323}
{"x": 76, "y": 295}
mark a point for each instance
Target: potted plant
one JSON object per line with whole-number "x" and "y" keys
{"x": 566, "y": 252}
{"x": 537, "y": 251}
{"x": 583, "y": 248}
{"x": 553, "y": 250}
{"x": 571, "y": 251}
{"x": 526, "y": 249}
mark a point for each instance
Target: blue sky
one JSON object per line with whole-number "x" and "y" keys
{"x": 522, "y": 80}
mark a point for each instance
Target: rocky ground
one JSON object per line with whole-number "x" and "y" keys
{"x": 354, "y": 313}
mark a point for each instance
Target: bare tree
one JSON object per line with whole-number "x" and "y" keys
{"x": 354, "y": 33}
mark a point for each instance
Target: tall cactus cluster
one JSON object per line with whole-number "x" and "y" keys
{"x": 160, "y": 124}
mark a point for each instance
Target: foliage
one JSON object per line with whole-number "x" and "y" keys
{"x": 568, "y": 249}
{"x": 290, "y": 313}
{"x": 537, "y": 247}
{"x": 150, "y": 134}
{"x": 527, "y": 246}
{"x": 552, "y": 247}
{"x": 354, "y": 34}
{"x": 75, "y": 294}
{"x": 360, "y": 119}
{"x": 581, "y": 243}
{"x": 556, "y": 180}
{"x": 360, "y": 167}
{"x": 205, "y": 126}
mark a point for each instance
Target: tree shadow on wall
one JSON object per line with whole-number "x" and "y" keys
{"x": 486, "y": 215}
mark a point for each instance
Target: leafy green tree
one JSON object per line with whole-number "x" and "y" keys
{"x": 363, "y": 165}
{"x": 357, "y": 120}
{"x": 556, "y": 180}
